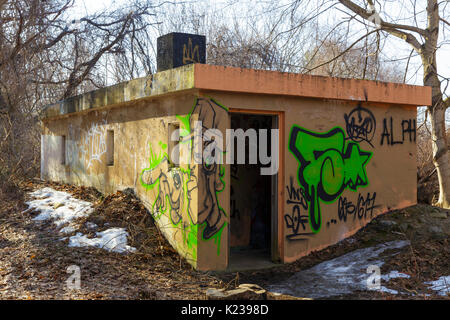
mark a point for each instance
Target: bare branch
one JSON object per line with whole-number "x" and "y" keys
{"x": 392, "y": 28}
{"x": 343, "y": 52}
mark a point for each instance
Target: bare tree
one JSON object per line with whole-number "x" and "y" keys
{"x": 46, "y": 56}
{"x": 425, "y": 42}
{"x": 262, "y": 35}
{"x": 331, "y": 57}
{"x": 424, "y": 29}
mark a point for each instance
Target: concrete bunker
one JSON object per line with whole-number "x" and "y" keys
{"x": 345, "y": 149}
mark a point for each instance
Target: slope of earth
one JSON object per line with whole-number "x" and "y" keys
{"x": 34, "y": 261}
{"x": 425, "y": 259}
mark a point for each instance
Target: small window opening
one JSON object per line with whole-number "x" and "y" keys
{"x": 63, "y": 150}
{"x": 174, "y": 140}
{"x": 110, "y": 148}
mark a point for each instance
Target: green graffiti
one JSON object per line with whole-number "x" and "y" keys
{"x": 217, "y": 237}
{"x": 211, "y": 174}
{"x": 155, "y": 159}
{"x": 174, "y": 186}
{"x": 190, "y": 232}
{"x": 173, "y": 195}
{"x": 328, "y": 164}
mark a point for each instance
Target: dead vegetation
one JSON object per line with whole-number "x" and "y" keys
{"x": 33, "y": 263}
{"x": 427, "y": 180}
{"x": 425, "y": 259}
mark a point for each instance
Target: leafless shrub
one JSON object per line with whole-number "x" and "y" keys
{"x": 427, "y": 180}
{"x": 46, "y": 56}
{"x": 428, "y": 186}
{"x": 331, "y": 56}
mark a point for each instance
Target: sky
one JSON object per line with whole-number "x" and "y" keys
{"x": 395, "y": 48}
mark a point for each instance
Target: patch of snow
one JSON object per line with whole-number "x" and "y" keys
{"x": 68, "y": 229}
{"x": 58, "y": 206}
{"x": 91, "y": 225}
{"x": 441, "y": 285}
{"x": 394, "y": 274}
{"x": 62, "y": 209}
{"x": 113, "y": 239}
{"x": 387, "y": 290}
{"x": 339, "y": 276}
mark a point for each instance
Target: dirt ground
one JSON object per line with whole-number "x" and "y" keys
{"x": 34, "y": 262}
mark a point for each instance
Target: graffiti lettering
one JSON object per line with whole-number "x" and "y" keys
{"x": 360, "y": 125}
{"x": 93, "y": 144}
{"x": 296, "y": 199}
{"x": 296, "y": 195}
{"x": 408, "y": 128}
{"x": 190, "y": 53}
{"x": 174, "y": 187}
{"x": 170, "y": 191}
{"x": 210, "y": 113}
{"x": 327, "y": 166}
{"x": 363, "y": 207}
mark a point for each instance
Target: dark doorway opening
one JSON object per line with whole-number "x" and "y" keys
{"x": 253, "y": 197}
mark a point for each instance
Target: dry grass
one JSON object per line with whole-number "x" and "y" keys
{"x": 33, "y": 263}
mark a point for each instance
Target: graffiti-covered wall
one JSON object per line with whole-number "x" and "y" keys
{"x": 344, "y": 164}
{"x": 75, "y": 150}
{"x": 343, "y": 159}
{"x": 348, "y": 170}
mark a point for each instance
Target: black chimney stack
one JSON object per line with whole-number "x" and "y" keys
{"x": 178, "y": 49}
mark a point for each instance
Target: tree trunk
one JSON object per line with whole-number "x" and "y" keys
{"x": 440, "y": 146}
{"x": 427, "y": 51}
{"x": 441, "y": 154}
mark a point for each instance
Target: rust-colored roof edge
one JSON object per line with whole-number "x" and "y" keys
{"x": 231, "y": 79}
{"x": 156, "y": 85}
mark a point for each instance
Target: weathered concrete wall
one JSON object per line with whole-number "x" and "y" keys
{"x": 344, "y": 165}
{"x": 344, "y": 160}
{"x": 138, "y": 130}
{"x": 190, "y": 220}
